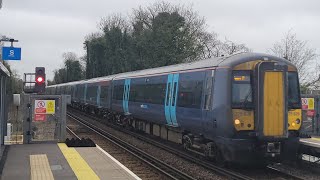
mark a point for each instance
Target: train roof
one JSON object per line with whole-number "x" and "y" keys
{"x": 226, "y": 61}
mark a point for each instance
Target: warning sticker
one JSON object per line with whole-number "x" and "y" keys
{"x": 307, "y": 103}
{"x": 50, "y": 106}
{"x": 40, "y": 117}
{"x": 44, "y": 106}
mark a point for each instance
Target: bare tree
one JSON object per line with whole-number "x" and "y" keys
{"x": 298, "y": 52}
{"x": 71, "y": 56}
{"x": 92, "y": 36}
{"x": 228, "y": 47}
{"x": 112, "y": 21}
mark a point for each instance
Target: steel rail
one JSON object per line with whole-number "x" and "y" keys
{"x": 289, "y": 176}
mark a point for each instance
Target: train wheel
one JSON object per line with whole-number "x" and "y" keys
{"x": 218, "y": 157}
{"x": 187, "y": 143}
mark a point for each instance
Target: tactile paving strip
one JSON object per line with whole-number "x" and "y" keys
{"x": 40, "y": 168}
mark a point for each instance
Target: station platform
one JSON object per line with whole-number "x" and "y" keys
{"x": 313, "y": 141}
{"x": 58, "y": 161}
{"x": 310, "y": 149}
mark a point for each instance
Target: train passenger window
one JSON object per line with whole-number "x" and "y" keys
{"x": 155, "y": 93}
{"x": 104, "y": 94}
{"x": 174, "y": 91}
{"x": 242, "y": 89}
{"x": 190, "y": 93}
{"x": 80, "y": 92}
{"x": 77, "y": 91}
{"x": 168, "y": 96}
{"x": 72, "y": 91}
{"x": 118, "y": 92}
{"x": 137, "y": 93}
{"x": 92, "y": 93}
{"x": 293, "y": 91}
{"x": 148, "y": 93}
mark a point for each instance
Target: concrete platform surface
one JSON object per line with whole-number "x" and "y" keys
{"x": 313, "y": 141}
{"x": 104, "y": 165}
{"x": 17, "y": 165}
{"x": 57, "y": 161}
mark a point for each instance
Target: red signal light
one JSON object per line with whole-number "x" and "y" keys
{"x": 39, "y": 79}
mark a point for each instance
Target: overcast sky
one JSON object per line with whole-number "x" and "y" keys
{"x": 47, "y": 28}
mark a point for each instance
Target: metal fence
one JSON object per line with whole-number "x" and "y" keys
{"x": 310, "y": 114}
{"x": 41, "y": 123}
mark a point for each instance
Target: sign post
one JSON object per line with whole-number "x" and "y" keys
{"x": 10, "y": 53}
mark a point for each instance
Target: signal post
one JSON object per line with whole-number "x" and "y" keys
{"x": 44, "y": 115}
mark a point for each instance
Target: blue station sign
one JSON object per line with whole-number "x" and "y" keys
{"x": 11, "y": 53}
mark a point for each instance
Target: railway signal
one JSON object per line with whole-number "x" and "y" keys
{"x": 40, "y": 78}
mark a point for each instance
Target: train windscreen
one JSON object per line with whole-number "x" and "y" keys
{"x": 293, "y": 91}
{"x": 242, "y": 89}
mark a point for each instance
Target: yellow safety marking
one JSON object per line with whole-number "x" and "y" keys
{"x": 40, "y": 168}
{"x": 50, "y": 105}
{"x": 273, "y": 105}
{"x": 318, "y": 139}
{"x": 79, "y": 166}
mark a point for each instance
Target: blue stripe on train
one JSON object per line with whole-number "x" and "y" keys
{"x": 171, "y": 99}
{"x": 126, "y": 94}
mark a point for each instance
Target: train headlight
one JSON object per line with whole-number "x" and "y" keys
{"x": 237, "y": 122}
{"x": 298, "y": 121}
{"x": 293, "y": 124}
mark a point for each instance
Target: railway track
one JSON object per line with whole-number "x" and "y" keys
{"x": 233, "y": 174}
{"x": 219, "y": 170}
{"x": 165, "y": 169}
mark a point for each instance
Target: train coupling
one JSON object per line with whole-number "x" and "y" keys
{"x": 273, "y": 148}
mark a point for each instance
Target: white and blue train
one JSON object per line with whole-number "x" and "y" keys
{"x": 238, "y": 108}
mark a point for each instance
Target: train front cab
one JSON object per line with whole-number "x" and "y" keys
{"x": 266, "y": 112}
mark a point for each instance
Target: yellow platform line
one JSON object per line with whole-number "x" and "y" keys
{"x": 316, "y": 138}
{"x": 40, "y": 168}
{"x": 79, "y": 166}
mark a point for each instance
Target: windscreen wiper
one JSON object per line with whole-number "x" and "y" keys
{"x": 246, "y": 100}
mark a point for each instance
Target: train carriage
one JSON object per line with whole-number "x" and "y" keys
{"x": 238, "y": 108}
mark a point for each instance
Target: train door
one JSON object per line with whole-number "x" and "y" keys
{"x": 171, "y": 99}
{"x": 207, "y": 120}
{"x": 271, "y": 88}
{"x": 98, "y": 95}
{"x": 126, "y": 93}
{"x": 85, "y": 93}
